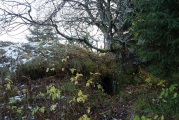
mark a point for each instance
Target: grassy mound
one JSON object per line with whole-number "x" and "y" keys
{"x": 74, "y": 83}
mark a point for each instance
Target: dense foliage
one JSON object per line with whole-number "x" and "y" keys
{"x": 156, "y": 26}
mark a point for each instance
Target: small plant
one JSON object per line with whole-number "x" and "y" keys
{"x": 156, "y": 117}
{"x": 161, "y": 102}
{"x": 53, "y": 92}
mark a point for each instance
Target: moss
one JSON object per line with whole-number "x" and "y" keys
{"x": 68, "y": 87}
{"x": 84, "y": 61}
{"x": 79, "y": 58}
{"x": 34, "y": 70}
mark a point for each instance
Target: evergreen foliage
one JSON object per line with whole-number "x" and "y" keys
{"x": 41, "y": 34}
{"x": 156, "y": 26}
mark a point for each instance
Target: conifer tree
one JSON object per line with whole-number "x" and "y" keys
{"x": 41, "y": 34}
{"x": 156, "y": 26}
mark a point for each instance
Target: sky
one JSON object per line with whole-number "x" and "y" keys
{"x": 18, "y": 36}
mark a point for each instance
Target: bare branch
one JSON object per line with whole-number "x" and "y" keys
{"x": 76, "y": 20}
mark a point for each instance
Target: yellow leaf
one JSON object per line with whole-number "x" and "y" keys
{"x": 79, "y": 99}
{"x": 8, "y": 86}
{"x": 90, "y": 81}
{"x": 52, "y": 108}
{"x": 80, "y": 93}
{"x": 19, "y": 110}
{"x": 85, "y": 97}
{"x": 42, "y": 94}
{"x": 74, "y": 99}
{"x": 162, "y": 117}
{"x": 136, "y": 35}
{"x": 88, "y": 111}
{"x": 72, "y": 79}
{"x": 155, "y": 117}
{"x": 148, "y": 80}
{"x": 97, "y": 73}
{"x": 70, "y": 101}
{"x": 99, "y": 86}
{"x": 72, "y": 70}
{"x": 24, "y": 91}
{"x": 63, "y": 69}
{"x": 84, "y": 117}
{"x": 76, "y": 82}
{"x": 53, "y": 69}
{"x": 87, "y": 84}
{"x": 79, "y": 75}
{"x": 52, "y": 89}
{"x": 42, "y": 109}
{"x": 164, "y": 100}
{"x": 64, "y": 60}
{"x": 47, "y": 69}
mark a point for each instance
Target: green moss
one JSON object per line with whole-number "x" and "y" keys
{"x": 34, "y": 70}
{"x": 69, "y": 87}
{"x": 81, "y": 59}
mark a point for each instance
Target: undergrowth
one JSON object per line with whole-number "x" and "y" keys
{"x": 78, "y": 84}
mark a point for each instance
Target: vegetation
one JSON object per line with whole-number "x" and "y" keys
{"x": 41, "y": 34}
{"x": 156, "y": 25}
{"x": 134, "y": 77}
{"x": 71, "y": 88}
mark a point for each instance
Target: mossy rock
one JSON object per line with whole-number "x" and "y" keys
{"x": 34, "y": 70}
{"x": 81, "y": 59}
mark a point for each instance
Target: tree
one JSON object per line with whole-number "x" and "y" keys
{"x": 41, "y": 34}
{"x": 156, "y": 25}
{"x": 86, "y": 21}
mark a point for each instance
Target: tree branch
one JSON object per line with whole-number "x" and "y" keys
{"x": 85, "y": 40}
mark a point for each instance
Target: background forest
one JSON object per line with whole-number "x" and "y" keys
{"x": 90, "y": 60}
